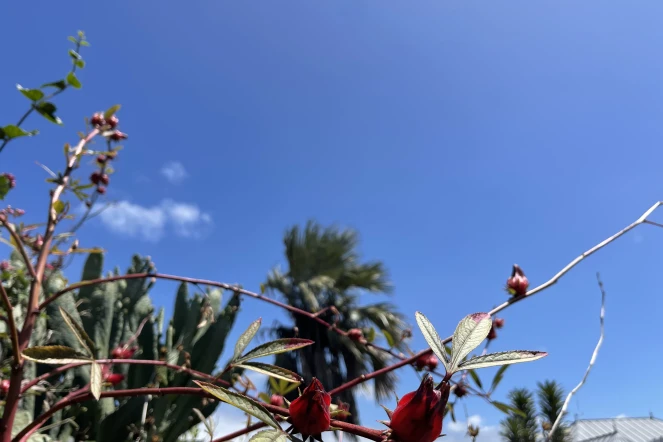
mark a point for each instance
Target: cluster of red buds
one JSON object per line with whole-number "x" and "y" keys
{"x": 9, "y": 211}
{"x": 100, "y": 122}
{"x": 123, "y": 352}
{"x": 11, "y": 178}
{"x": 428, "y": 362}
{"x": 517, "y": 284}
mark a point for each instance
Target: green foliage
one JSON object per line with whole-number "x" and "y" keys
{"x": 98, "y": 318}
{"x": 550, "y": 395}
{"x": 520, "y": 428}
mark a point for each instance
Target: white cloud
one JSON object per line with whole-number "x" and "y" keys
{"x": 457, "y": 431}
{"x": 151, "y": 223}
{"x": 174, "y": 172}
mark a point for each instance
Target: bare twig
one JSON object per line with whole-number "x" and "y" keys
{"x": 19, "y": 246}
{"x": 16, "y": 348}
{"x": 560, "y": 416}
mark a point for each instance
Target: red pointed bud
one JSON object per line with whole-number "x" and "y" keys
{"x": 113, "y": 121}
{"x": 123, "y": 352}
{"x": 276, "y": 400}
{"x": 355, "y": 334}
{"x": 460, "y": 390}
{"x": 518, "y": 284}
{"x": 419, "y": 414}
{"x": 492, "y": 334}
{"x": 498, "y": 322}
{"x": 309, "y": 413}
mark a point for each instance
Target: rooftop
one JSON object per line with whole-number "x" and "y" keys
{"x": 626, "y": 429}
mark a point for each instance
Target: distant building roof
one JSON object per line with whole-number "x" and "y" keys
{"x": 626, "y": 429}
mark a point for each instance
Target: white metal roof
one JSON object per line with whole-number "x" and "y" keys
{"x": 627, "y": 429}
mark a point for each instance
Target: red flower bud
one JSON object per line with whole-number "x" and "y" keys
{"x": 432, "y": 362}
{"x": 418, "y": 415}
{"x": 114, "y": 378}
{"x": 123, "y": 352}
{"x": 113, "y": 121}
{"x": 309, "y": 413}
{"x": 117, "y": 136}
{"x": 342, "y": 412}
{"x": 104, "y": 179}
{"x": 98, "y": 119}
{"x": 517, "y": 285}
{"x": 460, "y": 390}
{"x": 276, "y": 400}
{"x": 101, "y": 159}
{"x": 355, "y": 334}
{"x": 421, "y": 362}
{"x": 498, "y": 322}
{"x": 4, "y": 387}
{"x": 101, "y": 190}
{"x": 492, "y": 334}
{"x": 95, "y": 177}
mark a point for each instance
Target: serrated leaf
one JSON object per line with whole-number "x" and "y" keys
{"x": 79, "y": 332}
{"x": 269, "y": 436}
{"x": 246, "y": 337}
{"x": 95, "y": 380}
{"x": 272, "y": 370}
{"x": 274, "y": 347}
{"x": 475, "y": 378}
{"x": 507, "y": 409}
{"x": 11, "y": 131}
{"x": 432, "y": 338}
{"x": 471, "y": 330}
{"x": 30, "y": 94}
{"x": 240, "y": 401}
{"x": 502, "y": 358}
{"x": 111, "y": 111}
{"x": 498, "y": 377}
{"x": 47, "y": 110}
{"x": 54, "y": 354}
{"x": 73, "y": 80}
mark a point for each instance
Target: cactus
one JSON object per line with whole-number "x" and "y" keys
{"x": 111, "y": 314}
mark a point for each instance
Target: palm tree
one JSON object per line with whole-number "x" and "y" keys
{"x": 517, "y": 428}
{"x": 324, "y": 271}
{"x": 551, "y": 399}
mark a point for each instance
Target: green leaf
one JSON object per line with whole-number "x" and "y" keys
{"x": 4, "y": 187}
{"x": 58, "y": 206}
{"x": 60, "y": 84}
{"x": 79, "y": 332}
{"x": 269, "y": 436}
{"x": 111, "y": 111}
{"x": 54, "y": 354}
{"x": 471, "y": 330}
{"x": 507, "y": 409}
{"x": 502, "y": 358}
{"x": 369, "y": 335}
{"x": 274, "y": 347}
{"x": 75, "y": 55}
{"x": 475, "y": 378}
{"x": 95, "y": 380}
{"x": 79, "y": 64}
{"x": 272, "y": 370}
{"x": 240, "y": 401}
{"x": 84, "y": 43}
{"x": 432, "y": 338}
{"x": 30, "y": 94}
{"x": 498, "y": 377}
{"x": 390, "y": 339}
{"x": 11, "y": 131}
{"x": 73, "y": 80}
{"x": 73, "y": 39}
{"x": 246, "y": 338}
{"x": 47, "y": 110}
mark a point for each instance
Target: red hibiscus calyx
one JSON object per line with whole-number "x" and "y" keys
{"x": 310, "y": 413}
{"x": 518, "y": 283}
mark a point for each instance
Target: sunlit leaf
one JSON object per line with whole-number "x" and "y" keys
{"x": 47, "y": 110}
{"x": 471, "y": 330}
{"x": 274, "y": 347}
{"x": 54, "y": 354}
{"x": 246, "y": 337}
{"x": 240, "y": 401}
{"x": 269, "y": 436}
{"x": 369, "y": 335}
{"x": 111, "y": 111}
{"x": 79, "y": 332}
{"x": 30, "y": 94}
{"x": 432, "y": 338}
{"x": 502, "y": 358}
{"x": 95, "y": 380}
{"x": 507, "y": 409}
{"x": 60, "y": 84}
{"x": 390, "y": 339}
{"x": 272, "y": 370}
{"x": 10, "y": 131}
{"x": 73, "y": 80}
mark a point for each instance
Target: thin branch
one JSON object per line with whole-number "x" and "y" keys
{"x": 241, "y": 432}
{"x": 19, "y": 245}
{"x": 16, "y": 348}
{"x": 561, "y": 414}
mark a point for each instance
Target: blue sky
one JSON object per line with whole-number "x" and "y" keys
{"x": 457, "y": 137}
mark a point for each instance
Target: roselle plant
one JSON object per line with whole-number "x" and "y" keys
{"x": 112, "y": 374}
